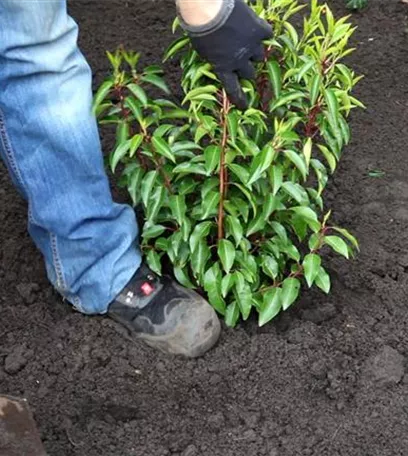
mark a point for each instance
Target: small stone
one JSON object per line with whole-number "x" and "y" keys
{"x": 16, "y": 360}
{"x": 191, "y": 450}
{"x": 387, "y": 367}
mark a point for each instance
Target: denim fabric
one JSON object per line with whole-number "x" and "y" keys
{"x": 50, "y": 144}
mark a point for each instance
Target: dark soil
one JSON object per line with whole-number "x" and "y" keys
{"x": 326, "y": 379}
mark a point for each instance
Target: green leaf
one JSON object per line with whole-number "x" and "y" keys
{"x": 232, "y": 122}
{"x": 333, "y": 106}
{"x": 226, "y": 284}
{"x": 156, "y": 81}
{"x": 139, "y": 93}
{"x": 315, "y": 89}
{"x": 175, "y": 47}
{"x": 133, "y": 105}
{"x": 308, "y": 215}
{"x": 226, "y": 253}
{"x": 270, "y": 205}
{"x": 249, "y": 196}
{"x": 134, "y": 182}
{"x": 271, "y": 306}
{"x": 257, "y": 224}
{"x": 290, "y": 292}
{"x": 199, "y": 258}
{"x": 162, "y": 148}
{"x": 287, "y": 99}
{"x": 212, "y": 158}
{"x": 119, "y": 153}
{"x": 311, "y": 266}
{"x": 240, "y": 172}
{"x": 196, "y": 94}
{"x": 210, "y": 204}
{"x": 147, "y": 186}
{"x": 178, "y": 207}
{"x": 152, "y": 231}
{"x": 122, "y": 132}
{"x": 275, "y": 76}
{"x": 235, "y": 228}
{"x": 307, "y": 150}
{"x": 280, "y": 230}
{"x": 304, "y": 69}
{"x": 323, "y": 280}
{"x": 161, "y": 244}
{"x": 277, "y": 178}
{"x": 330, "y": 158}
{"x": 298, "y": 161}
{"x": 190, "y": 168}
{"x": 243, "y": 296}
{"x": 135, "y": 143}
{"x": 232, "y": 314}
{"x": 153, "y": 261}
{"x": 261, "y": 163}
{"x": 212, "y": 286}
{"x": 348, "y": 236}
{"x": 270, "y": 266}
{"x": 101, "y": 94}
{"x": 200, "y": 231}
{"x": 296, "y": 192}
{"x": 182, "y": 277}
{"x": 337, "y": 244}
{"x": 155, "y": 202}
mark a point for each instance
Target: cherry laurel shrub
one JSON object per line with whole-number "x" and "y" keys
{"x": 233, "y": 199}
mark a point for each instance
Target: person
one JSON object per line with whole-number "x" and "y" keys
{"x": 49, "y": 142}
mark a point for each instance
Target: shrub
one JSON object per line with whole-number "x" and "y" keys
{"x": 234, "y": 199}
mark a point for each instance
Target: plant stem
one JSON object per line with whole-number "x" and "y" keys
{"x": 223, "y": 171}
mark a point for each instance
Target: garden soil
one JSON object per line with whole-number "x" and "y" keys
{"x": 328, "y": 378}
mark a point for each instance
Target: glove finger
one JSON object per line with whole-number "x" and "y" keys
{"x": 233, "y": 88}
{"x": 266, "y": 30}
{"x": 247, "y": 71}
{"x": 259, "y": 54}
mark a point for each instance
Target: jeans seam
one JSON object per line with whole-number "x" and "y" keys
{"x": 9, "y": 151}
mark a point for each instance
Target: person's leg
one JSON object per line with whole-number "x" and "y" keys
{"x": 49, "y": 142}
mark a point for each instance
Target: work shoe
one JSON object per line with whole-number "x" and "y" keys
{"x": 165, "y": 315}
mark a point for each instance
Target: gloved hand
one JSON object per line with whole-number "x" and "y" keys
{"x": 229, "y": 42}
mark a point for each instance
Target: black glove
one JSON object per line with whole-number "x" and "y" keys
{"x": 231, "y": 44}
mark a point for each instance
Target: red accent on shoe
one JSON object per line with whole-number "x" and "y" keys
{"x": 147, "y": 289}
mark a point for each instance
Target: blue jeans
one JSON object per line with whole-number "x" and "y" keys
{"x": 49, "y": 142}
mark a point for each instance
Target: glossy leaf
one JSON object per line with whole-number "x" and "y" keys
{"x": 337, "y": 244}
{"x": 261, "y": 163}
{"x": 153, "y": 261}
{"x": 200, "y": 232}
{"x": 322, "y": 280}
{"x": 226, "y": 253}
{"x": 290, "y": 292}
{"x": 311, "y": 267}
{"x": 212, "y": 158}
{"x": 147, "y": 186}
{"x": 139, "y": 93}
{"x": 232, "y": 314}
{"x": 272, "y": 305}
{"x": 162, "y": 148}
{"x": 212, "y": 286}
